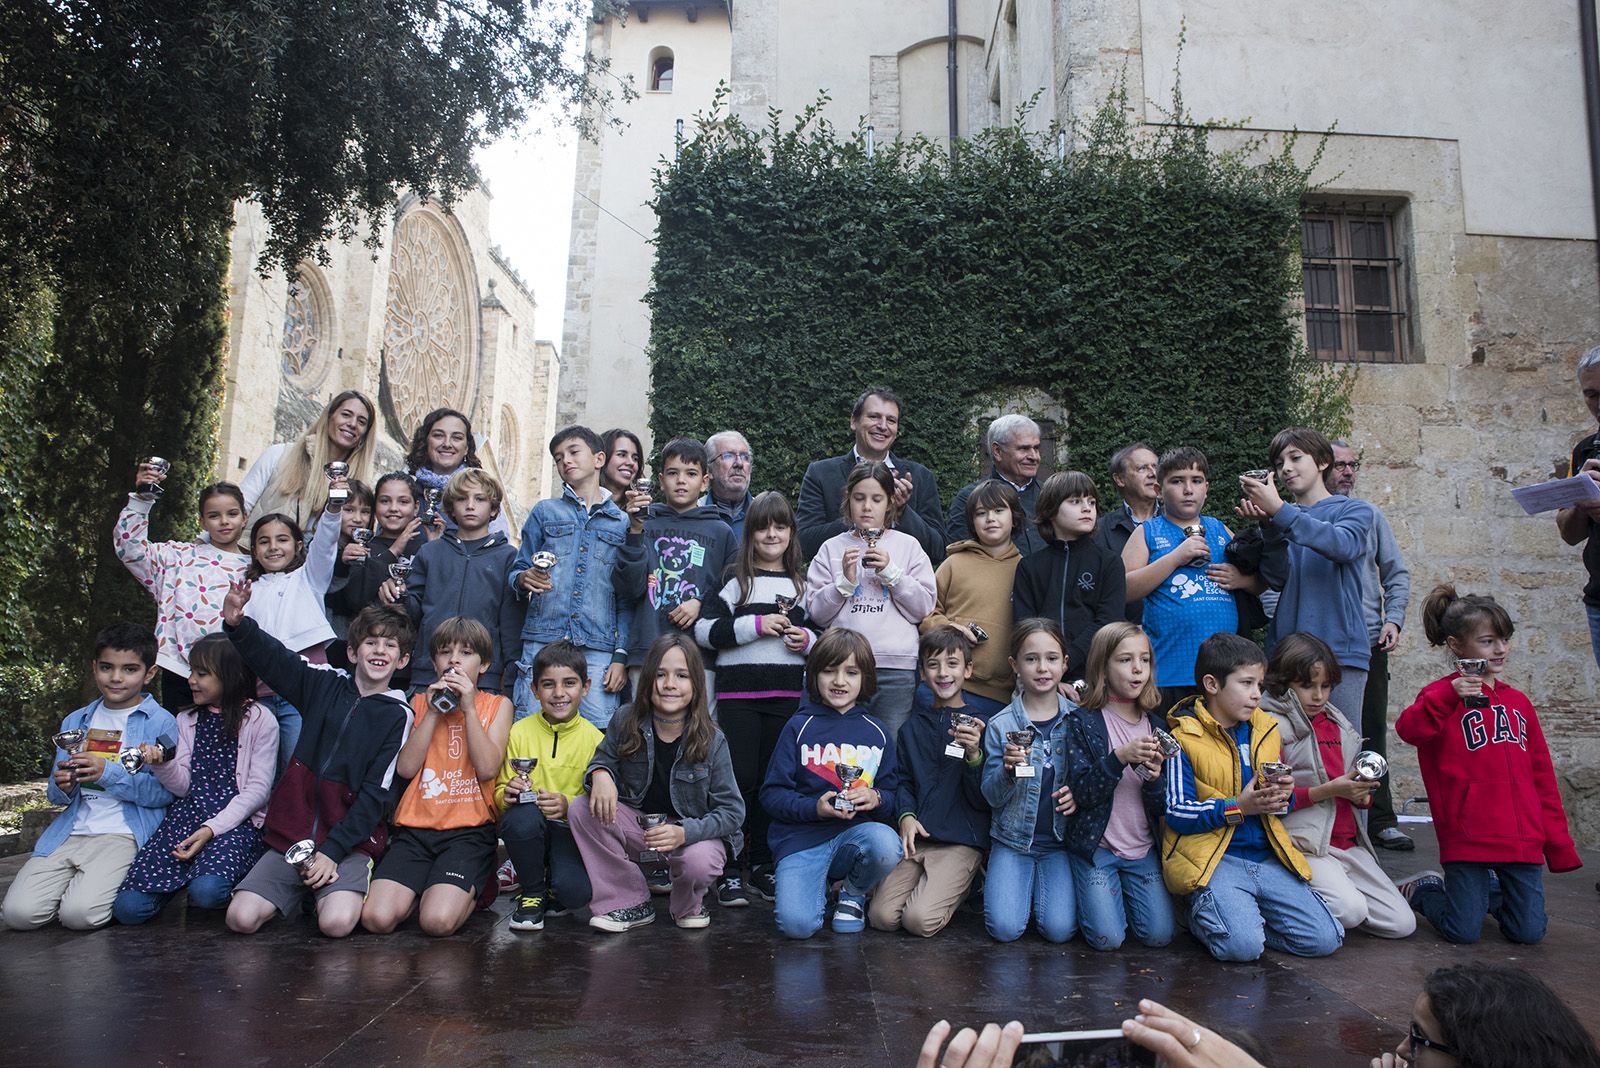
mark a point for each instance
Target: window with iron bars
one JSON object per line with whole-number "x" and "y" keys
{"x": 1354, "y": 282}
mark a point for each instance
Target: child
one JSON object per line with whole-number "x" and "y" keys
{"x": 441, "y": 859}
{"x": 81, "y": 858}
{"x": 221, "y": 775}
{"x": 973, "y": 591}
{"x": 1116, "y": 869}
{"x": 544, "y": 855}
{"x": 1028, "y": 870}
{"x": 817, "y": 836}
{"x": 666, "y": 758}
{"x": 1074, "y": 581}
{"x": 575, "y": 598}
{"x": 760, "y": 676}
{"x": 1320, "y": 744}
{"x": 879, "y": 582}
{"x": 336, "y": 790}
{"x": 1224, "y": 845}
{"x": 675, "y": 558}
{"x": 1176, "y": 569}
{"x": 462, "y": 573}
{"x": 354, "y": 515}
{"x": 187, "y": 579}
{"x": 1488, "y": 772}
{"x": 940, "y": 797}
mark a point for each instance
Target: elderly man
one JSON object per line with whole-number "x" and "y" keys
{"x": 731, "y": 464}
{"x": 1582, "y": 522}
{"x": 875, "y": 422}
{"x": 1013, "y": 445}
{"x": 1133, "y": 472}
{"x": 1385, "y": 592}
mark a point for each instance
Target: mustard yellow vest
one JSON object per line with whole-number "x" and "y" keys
{"x": 1188, "y": 860}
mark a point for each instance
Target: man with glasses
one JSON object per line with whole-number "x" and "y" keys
{"x": 1013, "y": 445}
{"x": 1133, "y": 472}
{"x": 731, "y": 465}
{"x": 1385, "y": 592}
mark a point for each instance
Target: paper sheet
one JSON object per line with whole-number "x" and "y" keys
{"x": 1559, "y": 493}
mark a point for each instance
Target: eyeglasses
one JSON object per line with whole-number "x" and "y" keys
{"x": 1422, "y": 1041}
{"x": 1353, "y": 465}
{"x": 729, "y": 457}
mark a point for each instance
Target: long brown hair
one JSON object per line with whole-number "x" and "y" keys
{"x": 216, "y": 655}
{"x": 698, "y": 730}
{"x": 869, "y": 471}
{"x": 770, "y": 509}
{"x": 1096, "y": 667}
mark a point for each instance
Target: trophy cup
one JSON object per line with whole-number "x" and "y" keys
{"x": 335, "y": 471}
{"x": 1272, "y": 770}
{"x": 444, "y": 701}
{"x": 1368, "y": 766}
{"x": 299, "y": 855}
{"x": 648, "y": 822}
{"x": 1259, "y": 474}
{"x": 978, "y": 633}
{"x": 431, "y": 496}
{"x": 542, "y": 561}
{"x": 524, "y": 766}
{"x": 848, "y": 774}
{"x": 643, "y": 484}
{"x": 149, "y": 491}
{"x": 870, "y": 535}
{"x": 133, "y": 759}
{"x": 400, "y": 569}
{"x": 1169, "y": 749}
{"x": 1023, "y": 740}
{"x": 71, "y": 741}
{"x": 786, "y": 606}
{"x": 362, "y": 536}
{"x": 1474, "y": 669}
{"x": 953, "y": 748}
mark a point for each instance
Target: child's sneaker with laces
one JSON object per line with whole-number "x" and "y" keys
{"x": 849, "y": 913}
{"x": 700, "y": 917}
{"x": 1408, "y": 886}
{"x": 730, "y": 892}
{"x": 619, "y": 920}
{"x": 529, "y": 914}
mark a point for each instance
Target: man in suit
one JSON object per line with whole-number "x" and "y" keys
{"x": 875, "y": 422}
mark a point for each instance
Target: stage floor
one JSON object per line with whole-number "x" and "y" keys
{"x": 184, "y": 990}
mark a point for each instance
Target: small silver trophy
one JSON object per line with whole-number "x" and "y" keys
{"x": 953, "y": 748}
{"x": 336, "y": 471}
{"x": 151, "y": 490}
{"x": 643, "y": 484}
{"x": 1169, "y": 749}
{"x": 431, "y": 507}
{"x": 1023, "y": 740}
{"x": 1259, "y": 474}
{"x": 362, "y": 536}
{"x": 444, "y": 700}
{"x": 786, "y": 605}
{"x": 1474, "y": 668}
{"x": 298, "y": 856}
{"x": 524, "y": 766}
{"x": 400, "y": 569}
{"x": 648, "y": 822}
{"x": 1368, "y": 766}
{"x": 848, "y": 774}
{"x": 543, "y": 561}
{"x": 1273, "y": 770}
{"x": 71, "y": 741}
{"x": 870, "y": 535}
{"x": 132, "y": 759}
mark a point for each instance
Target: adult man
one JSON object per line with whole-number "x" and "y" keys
{"x": 731, "y": 465}
{"x": 1385, "y": 592}
{"x": 1013, "y": 445}
{"x": 1133, "y": 472}
{"x": 875, "y": 422}
{"x": 1581, "y": 523}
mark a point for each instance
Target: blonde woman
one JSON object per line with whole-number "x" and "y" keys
{"x": 288, "y": 477}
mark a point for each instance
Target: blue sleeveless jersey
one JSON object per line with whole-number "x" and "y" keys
{"x": 1187, "y": 608}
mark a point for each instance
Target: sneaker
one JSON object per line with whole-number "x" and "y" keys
{"x": 620, "y": 920}
{"x": 849, "y": 914}
{"x": 700, "y": 917}
{"x": 659, "y": 880}
{"x": 1408, "y": 886}
{"x": 1394, "y": 838}
{"x": 763, "y": 883}
{"x": 528, "y": 915}
{"x": 506, "y": 876}
{"x": 553, "y": 907}
{"x": 730, "y": 893}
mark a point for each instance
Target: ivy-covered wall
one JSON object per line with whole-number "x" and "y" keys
{"x": 1144, "y": 281}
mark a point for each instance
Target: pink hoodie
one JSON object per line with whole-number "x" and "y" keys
{"x": 884, "y": 609}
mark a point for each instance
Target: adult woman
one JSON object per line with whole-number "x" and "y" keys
{"x": 288, "y": 478}
{"x": 443, "y": 445}
{"x": 624, "y": 461}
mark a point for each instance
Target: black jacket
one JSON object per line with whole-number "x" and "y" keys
{"x": 1078, "y": 585}
{"x": 1026, "y": 537}
{"x": 822, "y": 494}
{"x": 448, "y": 579}
{"x": 1093, "y": 772}
{"x": 1113, "y": 532}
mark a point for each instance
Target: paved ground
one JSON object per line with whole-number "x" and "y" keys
{"x": 184, "y": 990}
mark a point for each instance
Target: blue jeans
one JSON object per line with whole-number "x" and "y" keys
{"x": 288, "y": 718}
{"x": 1018, "y": 884}
{"x": 1252, "y": 904}
{"x": 1594, "y": 630}
{"x": 1457, "y": 911}
{"x": 862, "y": 855}
{"x": 891, "y": 705}
{"x": 537, "y": 845}
{"x": 205, "y": 892}
{"x": 1113, "y": 891}
{"x": 598, "y": 706}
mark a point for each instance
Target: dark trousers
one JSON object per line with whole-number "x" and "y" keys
{"x": 537, "y": 845}
{"x": 1375, "y": 730}
{"x": 752, "y": 728}
{"x": 1457, "y": 911}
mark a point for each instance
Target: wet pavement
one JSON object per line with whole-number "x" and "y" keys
{"x": 182, "y": 989}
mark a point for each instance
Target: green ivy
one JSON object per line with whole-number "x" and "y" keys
{"x": 1146, "y": 281}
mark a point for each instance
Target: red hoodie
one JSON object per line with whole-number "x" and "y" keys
{"x": 1490, "y": 782}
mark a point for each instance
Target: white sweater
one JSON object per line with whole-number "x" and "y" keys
{"x": 288, "y": 604}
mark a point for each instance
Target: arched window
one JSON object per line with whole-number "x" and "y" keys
{"x": 661, "y": 70}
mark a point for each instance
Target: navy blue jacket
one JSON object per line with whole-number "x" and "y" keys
{"x": 1093, "y": 771}
{"x": 944, "y": 793}
{"x": 813, "y": 743}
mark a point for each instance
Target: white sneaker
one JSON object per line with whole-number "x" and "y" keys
{"x": 700, "y": 917}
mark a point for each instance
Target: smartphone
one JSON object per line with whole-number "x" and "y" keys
{"x": 1081, "y": 1049}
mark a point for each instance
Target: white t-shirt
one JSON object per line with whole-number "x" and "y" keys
{"x": 100, "y": 814}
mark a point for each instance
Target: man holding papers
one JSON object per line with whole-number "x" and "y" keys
{"x": 1581, "y": 522}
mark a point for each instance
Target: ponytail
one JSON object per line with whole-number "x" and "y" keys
{"x": 1447, "y": 614}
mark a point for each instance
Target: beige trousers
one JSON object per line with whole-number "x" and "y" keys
{"x": 1359, "y": 894}
{"x": 923, "y": 892}
{"x": 76, "y": 883}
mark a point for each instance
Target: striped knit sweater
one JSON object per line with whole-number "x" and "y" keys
{"x": 750, "y": 664}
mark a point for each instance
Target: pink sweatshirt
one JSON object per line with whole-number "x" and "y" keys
{"x": 187, "y": 579}
{"x": 884, "y": 609}
{"x": 258, "y": 761}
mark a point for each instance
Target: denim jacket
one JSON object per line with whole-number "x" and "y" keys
{"x": 705, "y": 795}
{"x": 144, "y": 799}
{"x": 1016, "y": 801}
{"x": 582, "y": 607}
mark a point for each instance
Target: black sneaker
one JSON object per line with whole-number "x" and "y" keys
{"x": 620, "y": 920}
{"x": 659, "y": 880}
{"x": 763, "y": 883}
{"x": 730, "y": 892}
{"x": 1394, "y": 838}
{"x": 528, "y": 915}
{"x": 553, "y": 907}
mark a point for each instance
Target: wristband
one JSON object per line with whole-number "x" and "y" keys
{"x": 1231, "y": 813}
